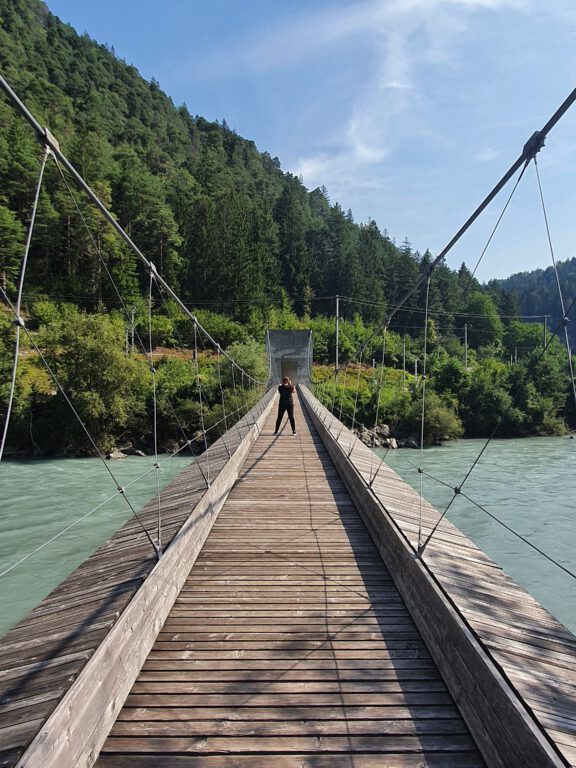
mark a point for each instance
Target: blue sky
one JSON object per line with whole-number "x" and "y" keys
{"x": 408, "y": 111}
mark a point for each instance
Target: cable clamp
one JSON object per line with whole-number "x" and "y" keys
{"x": 565, "y": 320}
{"x": 152, "y": 269}
{"x": 156, "y": 465}
{"x": 152, "y": 369}
{"x": 420, "y": 471}
{"x": 457, "y": 490}
{"x": 121, "y": 489}
{"x": 51, "y": 141}
{"x": 533, "y": 145}
{"x": 19, "y": 321}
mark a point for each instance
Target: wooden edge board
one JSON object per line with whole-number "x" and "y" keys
{"x": 505, "y": 732}
{"x": 75, "y": 732}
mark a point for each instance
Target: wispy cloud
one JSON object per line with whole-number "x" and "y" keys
{"x": 487, "y": 154}
{"x": 405, "y": 46}
{"x": 407, "y": 38}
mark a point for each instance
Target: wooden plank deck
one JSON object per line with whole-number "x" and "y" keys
{"x": 289, "y": 644}
{"x": 535, "y": 653}
{"x": 43, "y": 655}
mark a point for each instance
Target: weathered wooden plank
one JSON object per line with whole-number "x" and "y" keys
{"x": 423, "y": 743}
{"x": 216, "y": 667}
{"x": 289, "y": 699}
{"x": 296, "y": 760}
{"x": 289, "y": 687}
{"x": 298, "y": 630}
{"x": 242, "y": 647}
{"x": 99, "y": 691}
{"x": 330, "y": 653}
{"x": 306, "y": 727}
{"x": 298, "y": 675}
{"x": 12, "y": 735}
{"x": 456, "y": 565}
{"x": 8, "y": 757}
{"x": 280, "y": 713}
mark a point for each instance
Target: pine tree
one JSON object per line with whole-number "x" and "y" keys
{"x": 11, "y": 249}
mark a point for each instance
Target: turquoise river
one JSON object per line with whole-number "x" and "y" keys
{"x": 528, "y": 484}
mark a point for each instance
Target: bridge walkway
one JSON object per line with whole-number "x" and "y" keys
{"x": 289, "y": 644}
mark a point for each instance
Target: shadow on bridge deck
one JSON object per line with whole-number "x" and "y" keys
{"x": 289, "y": 644}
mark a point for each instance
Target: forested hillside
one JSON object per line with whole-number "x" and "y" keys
{"x": 537, "y": 292}
{"x": 220, "y": 219}
{"x": 243, "y": 243}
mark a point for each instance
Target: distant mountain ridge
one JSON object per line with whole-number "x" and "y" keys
{"x": 537, "y": 293}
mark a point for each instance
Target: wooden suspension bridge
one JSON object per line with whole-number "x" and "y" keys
{"x": 290, "y": 622}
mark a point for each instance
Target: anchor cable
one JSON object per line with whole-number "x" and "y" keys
{"x": 40, "y": 354}
{"x": 154, "y": 410}
{"x": 560, "y": 294}
{"x": 18, "y": 322}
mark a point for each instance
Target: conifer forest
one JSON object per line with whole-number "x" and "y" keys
{"x": 247, "y": 247}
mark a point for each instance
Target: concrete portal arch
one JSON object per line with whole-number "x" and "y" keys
{"x": 290, "y": 355}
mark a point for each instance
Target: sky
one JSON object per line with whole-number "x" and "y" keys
{"x": 407, "y": 111}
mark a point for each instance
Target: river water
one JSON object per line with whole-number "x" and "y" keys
{"x": 528, "y": 484}
{"x": 39, "y": 499}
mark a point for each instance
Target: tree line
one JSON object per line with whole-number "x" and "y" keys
{"x": 221, "y": 221}
{"x": 537, "y": 294}
{"x": 244, "y": 243}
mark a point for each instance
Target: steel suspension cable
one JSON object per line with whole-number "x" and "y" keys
{"x": 564, "y": 322}
{"x": 18, "y": 322}
{"x": 458, "y": 489}
{"x": 423, "y": 413}
{"x": 356, "y": 401}
{"x": 529, "y": 151}
{"x": 427, "y": 275}
{"x": 223, "y": 400}
{"x": 335, "y": 376}
{"x": 142, "y": 345}
{"x": 378, "y": 400}
{"x": 83, "y": 517}
{"x": 122, "y": 302}
{"x": 62, "y": 391}
{"x": 199, "y": 386}
{"x": 342, "y": 391}
{"x": 462, "y": 295}
{"x": 48, "y": 140}
{"x": 100, "y": 256}
{"x": 189, "y": 442}
{"x": 521, "y": 537}
{"x": 237, "y": 409}
{"x": 560, "y": 294}
{"x": 154, "y": 409}
{"x": 54, "y": 538}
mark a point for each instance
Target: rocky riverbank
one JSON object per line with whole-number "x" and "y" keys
{"x": 380, "y": 437}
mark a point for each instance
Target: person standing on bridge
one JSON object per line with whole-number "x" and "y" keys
{"x": 286, "y": 404}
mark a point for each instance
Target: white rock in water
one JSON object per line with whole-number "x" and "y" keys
{"x": 116, "y": 454}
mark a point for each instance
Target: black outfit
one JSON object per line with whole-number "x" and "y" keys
{"x": 286, "y": 405}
